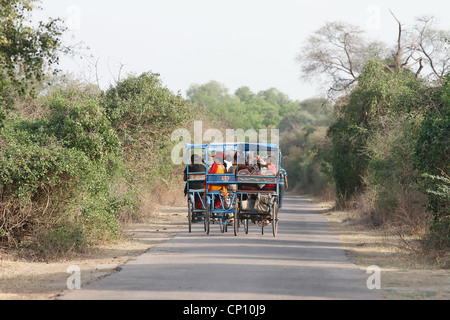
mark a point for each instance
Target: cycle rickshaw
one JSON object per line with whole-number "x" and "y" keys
{"x": 257, "y": 181}
{"x": 220, "y": 201}
{"x": 258, "y": 186}
{"x": 195, "y": 175}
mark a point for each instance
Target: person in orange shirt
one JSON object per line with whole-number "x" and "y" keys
{"x": 218, "y": 167}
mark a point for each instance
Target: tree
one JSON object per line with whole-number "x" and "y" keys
{"x": 336, "y": 53}
{"x": 379, "y": 95}
{"x": 305, "y": 146}
{"x": 423, "y": 47}
{"x": 144, "y": 113}
{"x": 26, "y": 52}
{"x": 208, "y": 94}
{"x": 433, "y": 46}
{"x": 244, "y": 94}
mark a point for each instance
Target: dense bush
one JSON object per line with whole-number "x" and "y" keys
{"x": 432, "y": 160}
{"x": 55, "y": 177}
{"x": 69, "y": 175}
{"x": 375, "y": 130}
{"x": 144, "y": 113}
{"x": 390, "y": 150}
{"x": 72, "y": 158}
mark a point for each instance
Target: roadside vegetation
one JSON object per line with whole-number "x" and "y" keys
{"x": 75, "y": 161}
{"x": 389, "y": 145}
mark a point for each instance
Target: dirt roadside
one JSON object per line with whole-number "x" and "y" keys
{"x": 24, "y": 280}
{"x": 406, "y": 274}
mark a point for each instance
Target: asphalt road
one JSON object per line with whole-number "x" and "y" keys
{"x": 305, "y": 261}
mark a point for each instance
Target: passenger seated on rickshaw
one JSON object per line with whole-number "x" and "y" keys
{"x": 218, "y": 167}
{"x": 251, "y": 167}
{"x": 196, "y": 166}
{"x": 256, "y": 166}
{"x": 271, "y": 170}
{"x": 252, "y": 163}
{"x": 232, "y": 170}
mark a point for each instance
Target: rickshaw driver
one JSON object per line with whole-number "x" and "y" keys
{"x": 283, "y": 186}
{"x": 196, "y": 166}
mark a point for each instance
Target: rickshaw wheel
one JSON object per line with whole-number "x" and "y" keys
{"x": 223, "y": 225}
{"x": 245, "y": 225}
{"x": 207, "y": 218}
{"x": 190, "y": 209}
{"x": 236, "y": 220}
{"x": 275, "y": 218}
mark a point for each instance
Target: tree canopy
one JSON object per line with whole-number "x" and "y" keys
{"x": 336, "y": 53}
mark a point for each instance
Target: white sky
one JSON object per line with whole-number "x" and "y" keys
{"x": 236, "y": 42}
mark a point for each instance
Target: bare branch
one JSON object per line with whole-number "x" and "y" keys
{"x": 420, "y": 68}
{"x": 398, "y": 54}
{"x": 335, "y": 54}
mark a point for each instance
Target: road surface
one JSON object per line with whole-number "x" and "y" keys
{"x": 305, "y": 261}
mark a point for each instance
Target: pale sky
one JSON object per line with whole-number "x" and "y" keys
{"x": 235, "y": 42}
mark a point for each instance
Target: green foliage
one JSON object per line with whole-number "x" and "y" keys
{"x": 68, "y": 173}
{"x": 379, "y": 97}
{"x": 348, "y": 162}
{"x": 25, "y": 51}
{"x": 390, "y": 177}
{"x": 305, "y": 147}
{"x": 438, "y": 203}
{"x": 432, "y": 160}
{"x": 31, "y": 161}
{"x": 390, "y": 143}
{"x": 140, "y": 104}
{"x": 432, "y": 153}
{"x": 57, "y": 171}
{"x": 244, "y": 109}
{"x": 442, "y": 187}
{"x": 144, "y": 113}
{"x": 83, "y": 125}
{"x": 68, "y": 176}
{"x": 59, "y": 240}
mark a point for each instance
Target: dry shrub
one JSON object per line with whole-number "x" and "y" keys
{"x": 410, "y": 212}
{"x": 30, "y": 109}
{"x": 403, "y": 209}
{"x": 14, "y": 216}
{"x": 40, "y": 226}
{"x": 155, "y": 194}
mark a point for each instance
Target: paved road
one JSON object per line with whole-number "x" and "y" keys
{"x": 305, "y": 261}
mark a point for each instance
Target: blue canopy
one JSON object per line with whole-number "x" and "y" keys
{"x": 258, "y": 147}
{"x": 239, "y": 146}
{"x": 195, "y": 146}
